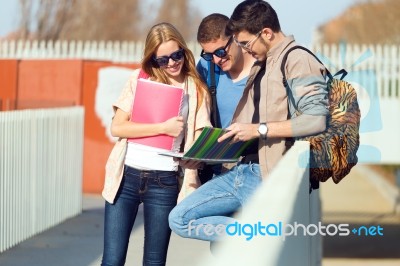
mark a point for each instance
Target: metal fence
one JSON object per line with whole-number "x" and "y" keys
{"x": 41, "y": 155}
{"x": 114, "y": 51}
{"x": 375, "y": 67}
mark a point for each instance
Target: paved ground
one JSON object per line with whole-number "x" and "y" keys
{"x": 357, "y": 200}
{"x": 361, "y": 199}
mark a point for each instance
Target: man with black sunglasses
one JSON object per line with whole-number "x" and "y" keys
{"x": 263, "y": 113}
{"x": 231, "y": 66}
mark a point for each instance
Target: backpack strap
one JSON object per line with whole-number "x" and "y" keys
{"x": 212, "y": 87}
{"x": 341, "y": 72}
{"x": 314, "y": 184}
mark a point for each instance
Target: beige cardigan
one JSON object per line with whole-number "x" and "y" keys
{"x": 115, "y": 162}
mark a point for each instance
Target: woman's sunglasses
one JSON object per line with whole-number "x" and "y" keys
{"x": 220, "y": 52}
{"x": 163, "y": 60}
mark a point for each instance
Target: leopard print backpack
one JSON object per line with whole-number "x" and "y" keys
{"x": 333, "y": 152}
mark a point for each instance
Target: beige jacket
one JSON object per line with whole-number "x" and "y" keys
{"x": 115, "y": 162}
{"x": 306, "y": 78}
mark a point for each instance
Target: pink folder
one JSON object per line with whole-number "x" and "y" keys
{"x": 155, "y": 102}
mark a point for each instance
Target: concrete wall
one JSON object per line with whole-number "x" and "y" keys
{"x": 282, "y": 198}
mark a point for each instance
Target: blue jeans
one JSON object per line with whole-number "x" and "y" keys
{"x": 214, "y": 202}
{"x": 158, "y": 190}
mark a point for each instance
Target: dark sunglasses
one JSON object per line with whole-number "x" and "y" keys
{"x": 220, "y": 52}
{"x": 163, "y": 60}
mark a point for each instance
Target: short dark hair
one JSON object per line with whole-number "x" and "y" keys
{"x": 252, "y": 16}
{"x": 212, "y": 28}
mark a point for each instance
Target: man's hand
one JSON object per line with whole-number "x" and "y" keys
{"x": 240, "y": 132}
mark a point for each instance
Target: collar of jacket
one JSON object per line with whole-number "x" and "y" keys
{"x": 275, "y": 52}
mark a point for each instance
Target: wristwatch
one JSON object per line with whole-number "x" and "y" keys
{"x": 263, "y": 130}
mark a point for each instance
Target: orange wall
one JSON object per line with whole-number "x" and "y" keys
{"x": 55, "y": 83}
{"x": 43, "y": 83}
{"x": 8, "y": 84}
{"x": 97, "y": 147}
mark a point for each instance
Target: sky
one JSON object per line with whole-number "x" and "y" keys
{"x": 297, "y": 17}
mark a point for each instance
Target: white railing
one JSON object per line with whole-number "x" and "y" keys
{"x": 283, "y": 197}
{"x": 373, "y": 67}
{"x": 41, "y": 155}
{"x": 120, "y": 52}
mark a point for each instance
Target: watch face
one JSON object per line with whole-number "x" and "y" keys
{"x": 262, "y": 129}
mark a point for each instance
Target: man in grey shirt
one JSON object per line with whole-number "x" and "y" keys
{"x": 262, "y": 114}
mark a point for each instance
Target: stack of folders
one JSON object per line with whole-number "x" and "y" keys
{"x": 207, "y": 148}
{"x": 155, "y": 102}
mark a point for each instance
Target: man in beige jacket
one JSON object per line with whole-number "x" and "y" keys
{"x": 263, "y": 113}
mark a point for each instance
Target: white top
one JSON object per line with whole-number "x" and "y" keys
{"x": 144, "y": 157}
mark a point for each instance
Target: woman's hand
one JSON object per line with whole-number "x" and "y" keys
{"x": 173, "y": 126}
{"x": 122, "y": 127}
{"x": 191, "y": 164}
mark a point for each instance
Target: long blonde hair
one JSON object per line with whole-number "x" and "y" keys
{"x": 164, "y": 32}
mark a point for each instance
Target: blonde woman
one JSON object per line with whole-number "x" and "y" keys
{"x": 135, "y": 173}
